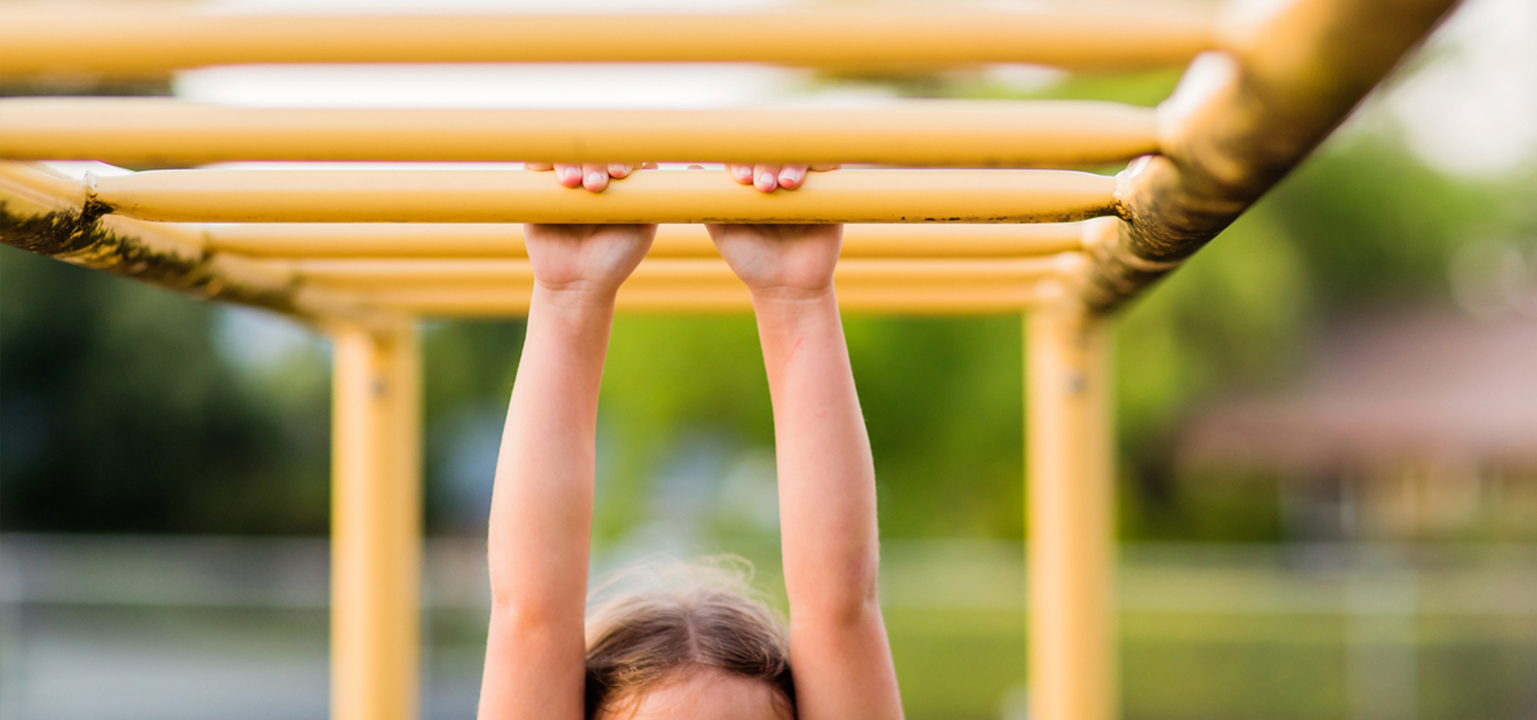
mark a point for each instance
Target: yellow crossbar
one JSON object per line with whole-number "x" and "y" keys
{"x": 120, "y": 40}
{"x": 850, "y": 196}
{"x": 385, "y": 240}
{"x": 166, "y": 132}
{"x": 672, "y": 272}
{"x": 513, "y": 300}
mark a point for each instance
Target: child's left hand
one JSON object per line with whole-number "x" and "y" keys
{"x": 592, "y": 176}
{"x": 769, "y": 177}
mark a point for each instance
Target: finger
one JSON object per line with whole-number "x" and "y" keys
{"x": 791, "y": 176}
{"x": 648, "y": 166}
{"x": 741, "y": 173}
{"x": 619, "y": 170}
{"x": 696, "y": 166}
{"x": 568, "y": 175}
{"x": 824, "y": 167}
{"x": 594, "y": 177}
{"x": 538, "y": 166}
{"x": 765, "y": 177}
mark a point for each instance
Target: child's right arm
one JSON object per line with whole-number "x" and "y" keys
{"x": 541, "y": 508}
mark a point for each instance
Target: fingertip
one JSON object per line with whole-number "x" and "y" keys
{"x": 619, "y": 170}
{"x": 792, "y": 176}
{"x": 741, "y": 173}
{"x": 595, "y": 181}
{"x": 766, "y": 182}
{"x": 538, "y": 166}
{"x": 568, "y": 175}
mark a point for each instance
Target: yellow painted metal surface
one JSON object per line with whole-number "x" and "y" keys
{"x": 724, "y": 298}
{"x": 123, "y": 40}
{"x": 1070, "y": 560}
{"x": 386, "y": 240}
{"x": 356, "y": 273}
{"x": 168, "y": 132}
{"x": 848, "y": 196}
{"x": 376, "y": 524}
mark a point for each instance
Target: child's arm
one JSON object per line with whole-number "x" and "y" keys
{"x": 541, "y": 509}
{"x": 838, "y": 647}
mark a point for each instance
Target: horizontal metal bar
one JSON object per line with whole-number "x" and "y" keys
{"x": 701, "y": 272}
{"x": 849, "y": 196}
{"x": 112, "y": 39}
{"x": 421, "y": 240}
{"x": 1240, "y": 122}
{"x": 48, "y": 214}
{"x": 166, "y": 132}
{"x": 513, "y": 301}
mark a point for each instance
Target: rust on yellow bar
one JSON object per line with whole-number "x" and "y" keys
{"x": 1240, "y": 121}
{"x": 663, "y": 271}
{"x": 1070, "y": 559}
{"x": 48, "y": 214}
{"x": 376, "y": 524}
{"x": 885, "y": 299}
{"x": 166, "y": 132}
{"x": 486, "y": 196}
{"x": 122, "y": 40}
{"x": 396, "y": 240}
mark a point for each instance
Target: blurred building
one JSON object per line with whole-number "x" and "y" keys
{"x": 1403, "y": 425}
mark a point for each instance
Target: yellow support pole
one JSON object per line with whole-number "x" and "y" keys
{"x": 422, "y": 240}
{"x": 376, "y": 524}
{"x": 952, "y": 133}
{"x": 485, "y": 196}
{"x": 1070, "y": 517}
{"x": 119, "y": 40}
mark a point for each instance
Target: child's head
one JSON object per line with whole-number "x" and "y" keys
{"x": 693, "y": 642}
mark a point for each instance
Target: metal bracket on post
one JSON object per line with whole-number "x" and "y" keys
{"x": 376, "y": 523}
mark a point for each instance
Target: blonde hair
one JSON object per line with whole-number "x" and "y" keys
{"x": 662, "y": 619}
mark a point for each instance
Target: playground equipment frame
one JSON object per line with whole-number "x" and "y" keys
{"x": 1244, "y": 116}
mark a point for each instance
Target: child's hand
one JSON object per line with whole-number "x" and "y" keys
{"x": 592, "y": 259}
{"x": 768, "y": 178}
{"x": 790, "y": 260}
{"x": 586, "y": 258}
{"x": 796, "y": 260}
{"x": 593, "y": 176}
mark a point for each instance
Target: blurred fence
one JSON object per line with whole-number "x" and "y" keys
{"x": 176, "y": 626}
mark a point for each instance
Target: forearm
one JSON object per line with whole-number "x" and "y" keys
{"x": 541, "y": 509}
{"x": 826, "y": 475}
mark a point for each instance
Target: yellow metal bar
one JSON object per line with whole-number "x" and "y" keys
{"x": 848, "y": 196}
{"x": 884, "y": 299}
{"x": 168, "y": 132}
{"x": 1240, "y": 121}
{"x": 114, "y": 40}
{"x": 386, "y": 240}
{"x": 364, "y": 274}
{"x": 49, "y": 214}
{"x": 1070, "y": 514}
{"x": 376, "y": 524}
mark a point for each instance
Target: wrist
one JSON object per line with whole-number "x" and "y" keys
{"x": 578, "y": 297}
{"x": 785, "y": 307}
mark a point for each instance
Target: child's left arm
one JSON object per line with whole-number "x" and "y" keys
{"x": 838, "y": 647}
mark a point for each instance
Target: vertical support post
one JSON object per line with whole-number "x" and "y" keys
{"x": 1071, "y": 515}
{"x": 376, "y": 523}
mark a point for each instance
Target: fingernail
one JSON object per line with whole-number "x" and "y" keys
{"x": 792, "y": 176}
{"x": 766, "y": 181}
{"x": 595, "y": 178}
{"x": 569, "y": 173}
{"x": 744, "y": 173}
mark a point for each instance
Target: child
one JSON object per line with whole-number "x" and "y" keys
{"x": 709, "y": 652}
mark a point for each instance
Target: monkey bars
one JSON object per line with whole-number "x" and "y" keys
{"x": 362, "y": 253}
